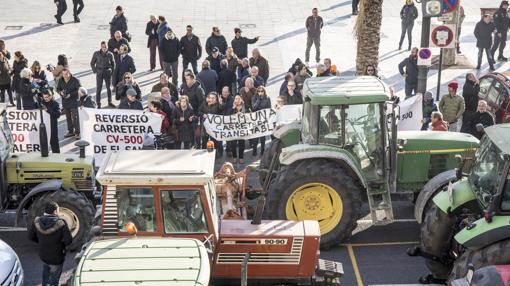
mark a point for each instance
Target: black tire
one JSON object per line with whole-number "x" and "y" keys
{"x": 437, "y": 231}
{"x": 75, "y": 202}
{"x": 494, "y": 254}
{"x": 324, "y": 172}
{"x": 265, "y": 161}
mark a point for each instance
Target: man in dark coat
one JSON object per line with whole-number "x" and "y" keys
{"x": 481, "y": 117}
{"x": 61, "y": 9}
{"x": 191, "y": 50}
{"x": 119, "y": 23}
{"x": 163, "y": 82}
{"x": 470, "y": 93}
{"x": 408, "y": 14}
{"x": 254, "y": 75}
{"x": 131, "y": 102}
{"x": 410, "y": 73}
{"x": 226, "y": 77}
{"x": 123, "y": 63}
{"x": 240, "y": 44}
{"x": 483, "y": 34}
{"x": 257, "y": 60}
{"x": 52, "y": 235}
{"x": 53, "y": 109}
{"x": 207, "y": 78}
{"x": 103, "y": 65}
{"x": 151, "y": 30}
{"x": 117, "y": 41}
{"x": 85, "y": 99}
{"x": 77, "y": 8}
{"x": 170, "y": 50}
{"x": 68, "y": 89}
{"x": 313, "y": 24}
{"x": 215, "y": 59}
{"x": 226, "y": 100}
{"x": 191, "y": 87}
{"x": 502, "y": 23}
{"x": 216, "y": 40}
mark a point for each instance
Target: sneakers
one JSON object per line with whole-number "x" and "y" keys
{"x": 77, "y": 136}
{"x": 69, "y": 134}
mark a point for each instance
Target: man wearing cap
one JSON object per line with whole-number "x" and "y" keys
{"x": 52, "y": 235}
{"x": 240, "y": 44}
{"x": 119, "y": 23}
{"x": 131, "y": 102}
{"x": 170, "y": 50}
{"x": 502, "y": 23}
{"x": 452, "y": 106}
{"x": 483, "y": 34}
{"x": 216, "y": 40}
{"x": 191, "y": 50}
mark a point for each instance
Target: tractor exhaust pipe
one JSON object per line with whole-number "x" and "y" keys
{"x": 43, "y": 136}
{"x": 82, "y": 144}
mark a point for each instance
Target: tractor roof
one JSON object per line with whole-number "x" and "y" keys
{"x": 335, "y": 90}
{"x": 500, "y": 135}
{"x": 157, "y": 167}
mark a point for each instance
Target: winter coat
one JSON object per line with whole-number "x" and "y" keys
{"x": 162, "y": 29}
{"x": 53, "y": 235}
{"x": 40, "y": 75}
{"x": 263, "y": 66}
{"x": 5, "y": 72}
{"x": 232, "y": 63}
{"x": 151, "y": 30}
{"x": 26, "y": 94}
{"x": 185, "y": 128}
{"x": 216, "y": 62}
{"x": 191, "y": 48}
{"x": 240, "y": 46}
{"x": 313, "y": 26}
{"x": 226, "y": 77}
{"x": 297, "y": 98}
{"x": 257, "y": 81}
{"x": 114, "y": 44}
{"x": 483, "y": 34}
{"x": 53, "y": 108}
{"x": 165, "y": 123}
{"x": 70, "y": 99}
{"x": 260, "y": 102}
{"x": 168, "y": 107}
{"x": 411, "y": 70}
{"x": 226, "y": 104}
{"x": 102, "y": 62}
{"x": 17, "y": 66}
{"x": 470, "y": 93}
{"x": 216, "y": 41}
{"x": 451, "y": 107}
{"x": 87, "y": 101}
{"x": 408, "y": 14}
{"x": 439, "y": 126}
{"x": 300, "y": 81}
{"x": 484, "y": 118}
{"x": 132, "y": 105}
{"x": 121, "y": 67}
{"x": 123, "y": 88}
{"x": 247, "y": 96}
{"x": 241, "y": 73}
{"x": 173, "y": 90}
{"x": 208, "y": 109}
{"x": 501, "y": 21}
{"x": 118, "y": 24}
{"x": 195, "y": 94}
{"x": 170, "y": 49}
{"x": 208, "y": 79}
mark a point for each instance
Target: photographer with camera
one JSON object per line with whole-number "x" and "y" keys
{"x": 53, "y": 109}
{"x": 57, "y": 71}
{"x": 38, "y": 74}
{"x": 68, "y": 90}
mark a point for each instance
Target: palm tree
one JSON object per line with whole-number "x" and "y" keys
{"x": 367, "y": 32}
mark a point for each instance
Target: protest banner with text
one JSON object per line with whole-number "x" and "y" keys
{"x": 411, "y": 114}
{"x": 24, "y": 125}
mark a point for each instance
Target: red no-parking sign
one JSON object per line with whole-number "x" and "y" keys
{"x": 443, "y": 36}
{"x": 424, "y": 57}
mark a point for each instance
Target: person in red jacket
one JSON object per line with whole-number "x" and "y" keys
{"x": 438, "y": 124}
{"x": 156, "y": 107}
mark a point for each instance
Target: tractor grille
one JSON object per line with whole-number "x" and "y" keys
{"x": 110, "y": 215}
{"x": 293, "y": 257}
{"x": 438, "y": 164}
{"x": 86, "y": 185}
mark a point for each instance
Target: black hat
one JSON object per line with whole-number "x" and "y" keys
{"x": 50, "y": 207}
{"x": 503, "y": 3}
{"x": 215, "y": 49}
{"x": 119, "y": 8}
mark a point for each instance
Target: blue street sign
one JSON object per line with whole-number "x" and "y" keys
{"x": 449, "y": 5}
{"x": 424, "y": 54}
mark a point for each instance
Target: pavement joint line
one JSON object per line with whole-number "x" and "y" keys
{"x": 379, "y": 244}
{"x": 357, "y": 274}
{"x": 12, "y": 229}
{"x": 394, "y": 221}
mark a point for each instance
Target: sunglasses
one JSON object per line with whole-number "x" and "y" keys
{"x": 127, "y": 77}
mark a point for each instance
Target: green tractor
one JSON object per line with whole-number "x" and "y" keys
{"x": 29, "y": 180}
{"x": 346, "y": 149}
{"x": 467, "y": 221}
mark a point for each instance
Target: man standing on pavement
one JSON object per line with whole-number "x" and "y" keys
{"x": 502, "y": 23}
{"x": 257, "y": 60}
{"x": 481, "y": 117}
{"x": 411, "y": 72}
{"x": 216, "y": 40}
{"x": 123, "y": 63}
{"x": 52, "y": 235}
{"x": 103, "y": 65}
{"x": 408, "y": 14}
{"x": 452, "y": 106}
{"x": 313, "y": 25}
{"x": 61, "y": 9}
{"x": 207, "y": 77}
{"x": 68, "y": 89}
{"x": 170, "y": 51}
{"x": 151, "y": 30}
{"x": 191, "y": 50}
{"x": 117, "y": 41}
{"x": 77, "y": 8}
{"x": 240, "y": 43}
{"x": 119, "y": 23}
{"x": 483, "y": 34}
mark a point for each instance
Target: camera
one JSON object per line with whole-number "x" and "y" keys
{"x": 50, "y": 67}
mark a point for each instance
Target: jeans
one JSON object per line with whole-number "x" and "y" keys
{"x": 317, "y": 42}
{"x": 409, "y": 30}
{"x": 106, "y": 76}
{"x": 172, "y": 69}
{"x": 51, "y": 274}
{"x": 61, "y": 8}
{"x": 186, "y": 63}
{"x": 73, "y": 124}
{"x": 410, "y": 89}
{"x": 499, "y": 42}
{"x": 77, "y": 10}
{"x": 153, "y": 48}
{"x": 487, "y": 53}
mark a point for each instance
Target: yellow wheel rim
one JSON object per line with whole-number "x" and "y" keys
{"x": 316, "y": 201}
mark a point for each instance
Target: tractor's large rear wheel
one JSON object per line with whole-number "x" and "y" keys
{"x": 494, "y": 254}
{"x": 74, "y": 208}
{"x": 437, "y": 232}
{"x": 317, "y": 190}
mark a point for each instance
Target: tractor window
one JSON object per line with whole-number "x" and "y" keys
{"x": 485, "y": 85}
{"x": 183, "y": 211}
{"x": 136, "y": 205}
{"x": 330, "y": 129}
{"x": 494, "y": 93}
{"x": 505, "y": 202}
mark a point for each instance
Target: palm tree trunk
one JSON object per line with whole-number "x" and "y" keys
{"x": 368, "y": 34}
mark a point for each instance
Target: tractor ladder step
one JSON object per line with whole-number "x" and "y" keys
{"x": 381, "y": 209}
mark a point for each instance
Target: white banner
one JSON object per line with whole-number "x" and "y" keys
{"x": 289, "y": 113}
{"x": 411, "y": 113}
{"x": 241, "y": 126}
{"x": 24, "y": 125}
{"x": 116, "y": 129}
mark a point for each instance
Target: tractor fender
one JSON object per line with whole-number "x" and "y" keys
{"x": 300, "y": 152}
{"x": 482, "y": 233}
{"x": 429, "y": 190}
{"x": 44, "y": 187}
{"x": 455, "y": 196}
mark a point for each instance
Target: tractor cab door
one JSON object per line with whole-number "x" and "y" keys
{"x": 5, "y": 148}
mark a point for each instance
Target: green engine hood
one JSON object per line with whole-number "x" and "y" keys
{"x": 436, "y": 141}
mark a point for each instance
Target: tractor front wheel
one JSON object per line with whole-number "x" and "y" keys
{"x": 317, "y": 190}
{"x": 74, "y": 208}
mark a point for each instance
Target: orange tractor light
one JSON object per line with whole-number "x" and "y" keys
{"x": 210, "y": 145}
{"x": 131, "y": 228}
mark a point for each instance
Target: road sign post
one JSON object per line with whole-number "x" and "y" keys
{"x": 438, "y": 90}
